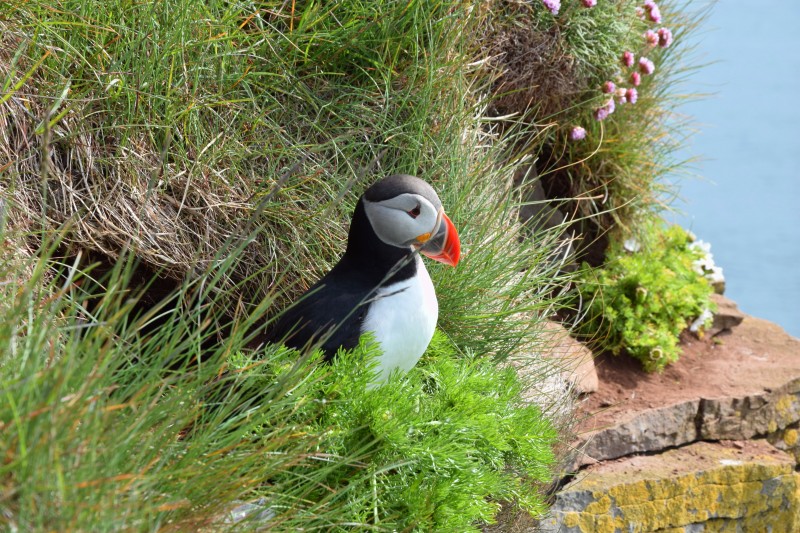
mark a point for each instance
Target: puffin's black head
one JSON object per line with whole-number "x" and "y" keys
{"x": 405, "y": 212}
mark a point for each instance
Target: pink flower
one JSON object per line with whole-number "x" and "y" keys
{"x": 601, "y": 113}
{"x": 646, "y": 66}
{"x": 631, "y": 95}
{"x": 609, "y": 87}
{"x": 627, "y": 59}
{"x": 577, "y": 134}
{"x": 589, "y": 3}
{"x": 664, "y": 37}
{"x": 552, "y": 5}
{"x": 653, "y": 13}
{"x": 651, "y": 38}
{"x": 636, "y": 78}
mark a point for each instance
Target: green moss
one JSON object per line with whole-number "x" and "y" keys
{"x": 641, "y": 301}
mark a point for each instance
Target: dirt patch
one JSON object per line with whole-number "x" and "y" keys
{"x": 755, "y": 356}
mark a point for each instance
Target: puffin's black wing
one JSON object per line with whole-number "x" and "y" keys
{"x": 333, "y": 309}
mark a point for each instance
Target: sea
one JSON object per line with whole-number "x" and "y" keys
{"x": 746, "y": 202}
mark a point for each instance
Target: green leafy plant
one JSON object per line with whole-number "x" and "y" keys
{"x": 646, "y": 295}
{"x": 437, "y": 447}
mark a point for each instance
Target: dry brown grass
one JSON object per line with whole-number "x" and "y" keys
{"x": 176, "y": 216}
{"x": 535, "y": 73}
{"x": 536, "y": 77}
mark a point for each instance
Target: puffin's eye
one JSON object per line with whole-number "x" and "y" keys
{"x": 414, "y": 213}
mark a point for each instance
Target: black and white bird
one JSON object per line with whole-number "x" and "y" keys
{"x": 380, "y": 284}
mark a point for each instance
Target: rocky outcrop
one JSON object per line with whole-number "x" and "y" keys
{"x": 731, "y": 486}
{"x": 727, "y": 317}
{"x": 651, "y": 430}
{"x": 574, "y": 359}
{"x": 710, "y": 444}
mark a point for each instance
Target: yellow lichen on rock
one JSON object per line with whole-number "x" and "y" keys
{"x": 790, "y": 437}
{"x": 721, "y": 487}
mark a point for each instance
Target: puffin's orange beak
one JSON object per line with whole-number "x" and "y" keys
{"x": 444, "y": 246}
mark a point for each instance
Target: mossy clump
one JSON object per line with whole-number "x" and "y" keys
{"x": 646, "y": 295}
{"x": 436, "y": 449}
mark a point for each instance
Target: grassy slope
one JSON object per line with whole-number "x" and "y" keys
{"x": 229, "y": 138}
{"x": 233, "y": 138}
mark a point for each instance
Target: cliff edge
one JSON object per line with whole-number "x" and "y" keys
{"x": 710, "y": 444}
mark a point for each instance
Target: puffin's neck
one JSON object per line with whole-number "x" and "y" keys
{"x": 370, "y": 256}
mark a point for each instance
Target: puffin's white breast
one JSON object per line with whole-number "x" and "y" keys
{"x": 403, "y": 318}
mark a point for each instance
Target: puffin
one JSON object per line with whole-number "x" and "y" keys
{"x": 380, "y": 284}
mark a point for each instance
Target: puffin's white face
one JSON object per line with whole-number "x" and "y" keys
{"x": 405, "y": 212}
{"x": 408, "y": 219}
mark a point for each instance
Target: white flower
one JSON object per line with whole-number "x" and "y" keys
{"x": 631, "y": 245}
{"x": 704, "y": 317}
{"x": 715, "y": 274}
{"x": 701, "y": 245}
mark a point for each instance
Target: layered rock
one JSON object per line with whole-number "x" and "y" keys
{"x": 710, "y": 444}
{"x": 746, "y": 486}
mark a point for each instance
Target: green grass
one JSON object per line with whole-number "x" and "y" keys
{"x": 224, "y": 145}
{"x": 96, "y": 435}
{"x": 216, "y": 101}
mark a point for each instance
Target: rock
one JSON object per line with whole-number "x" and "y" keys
{"x": 576, "y": 361}
{"x": 537, "y": 211}
{"x": 745, "y": 387}
{"x": 254, "y": 513}
{"x": 787, "y": 440}
{"x": 727, "y": 317}
{"x": 719, "y": 286}
{"x": 647, "y": 431}
{"x": 751, "y": 415}
{"x": 726, "y": 418}
{"x": 747, "y": 486}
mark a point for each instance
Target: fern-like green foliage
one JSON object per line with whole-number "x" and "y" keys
{"x": 437, "y": 448}
{"x": 642, "y": 300}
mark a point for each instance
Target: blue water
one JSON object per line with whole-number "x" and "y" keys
{"x": 748, "y": 205}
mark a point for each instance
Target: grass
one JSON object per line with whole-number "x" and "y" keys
{"x": 216, "y": 101}
{"x": 97, "y": 436}
{"x": 224, "y": 145}
{"x": 607, "y": 182}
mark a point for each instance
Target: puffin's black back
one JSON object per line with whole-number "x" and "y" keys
{"x": 337, "y": 304}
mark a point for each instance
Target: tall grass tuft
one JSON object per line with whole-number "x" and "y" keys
{"x": 552, "y": 73}
{"x": 97, "y": 435}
